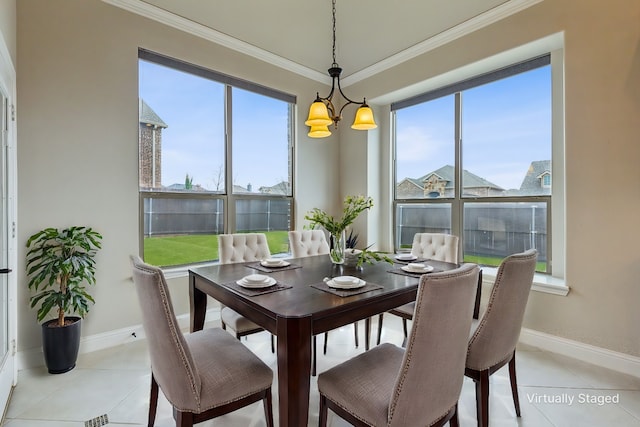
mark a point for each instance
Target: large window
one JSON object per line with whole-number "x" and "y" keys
{"x": 215, "y": 156}
{"x": 474, "y": 159}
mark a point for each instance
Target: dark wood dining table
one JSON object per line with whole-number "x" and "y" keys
{"x": 294, "y": 315}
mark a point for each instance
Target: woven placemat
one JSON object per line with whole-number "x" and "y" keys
{"x": 252, "y": 292}
{"x": 410, "y": 274}
{"x": 346, "y": 292}
{"x": 260, "y": 267}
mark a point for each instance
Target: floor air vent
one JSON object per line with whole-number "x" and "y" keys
{"x": 102, "y": 420}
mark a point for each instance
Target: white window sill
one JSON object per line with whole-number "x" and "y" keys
{"x": 541, "y": 282}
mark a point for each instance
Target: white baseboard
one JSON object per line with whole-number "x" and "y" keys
{"x": 33, "y": 358}
{"x": 609, "y": 359}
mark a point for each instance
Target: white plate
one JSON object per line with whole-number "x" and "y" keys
{"x": 255, "y": 279}
{"x": 356, "y": 285}
{"x": 426, "y": 269}
{"x": 346, "y": 280}
{"x": 406, "y": 257}
{"x": 269, "y": 282}
{"x": 280, "y": 263}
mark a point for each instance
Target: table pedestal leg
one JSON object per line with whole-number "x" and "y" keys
{"x": 294, "y": 367}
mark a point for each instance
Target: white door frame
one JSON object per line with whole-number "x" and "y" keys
{"x": 9, "y": 371}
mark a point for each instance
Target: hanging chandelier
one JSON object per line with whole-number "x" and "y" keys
{"x": 323, "y": 113}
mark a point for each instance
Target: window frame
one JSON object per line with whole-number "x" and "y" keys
{"x": 228, "y": 197}
{"x": 458, "y": 201}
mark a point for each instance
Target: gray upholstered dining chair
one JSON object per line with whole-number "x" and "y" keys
{"x": 419, "y": 385}
{"x": 204, "y": 374}
{"x": 495, "y": 335}
{"x": 241, "y": 247}
{"x": 308, "y": 243}
{"x": 435, "y": 246}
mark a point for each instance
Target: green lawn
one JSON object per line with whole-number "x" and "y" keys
{"x": 179, "y": 250}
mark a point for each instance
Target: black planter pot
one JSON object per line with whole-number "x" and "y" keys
{"x": 60, "y": 345}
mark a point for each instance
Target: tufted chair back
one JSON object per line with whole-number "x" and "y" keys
{"x": 436, "y": 246}
{"x": 308, "y": 242}
{"x": 242, "y": 247}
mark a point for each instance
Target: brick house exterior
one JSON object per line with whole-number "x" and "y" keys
{"x": 150, "y": 146}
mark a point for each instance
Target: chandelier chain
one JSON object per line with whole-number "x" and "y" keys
{"x": 333, "y": 11}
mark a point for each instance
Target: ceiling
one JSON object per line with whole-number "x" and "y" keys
{"x": 296, "y": 34}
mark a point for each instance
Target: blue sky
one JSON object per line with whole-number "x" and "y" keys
{"x": 193, "y": 142}
{"x": 505, "y": 126}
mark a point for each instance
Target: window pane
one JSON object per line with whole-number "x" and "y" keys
{"x": 506, "y": 136}
{"x": 493, "y": 231}
{"x": 425, "y": 150}
{"x": 182, "y": 230}
{"x": 181, "y": 130}
{"x": 269, "y": 216}
{"x": 420, "y": 218}
{"x": 261, "y": 144}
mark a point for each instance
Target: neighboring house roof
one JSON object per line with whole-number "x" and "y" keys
{"x": 148, "y": 116}
{"x": 282, "y": 187}
{"x": 447, "y": 173}
{"x": 532, "y": 182}
{"x": 240, "y": 189}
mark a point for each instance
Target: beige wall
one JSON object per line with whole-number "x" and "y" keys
{"x": 8, "y": 26}
{"x": 602, "y": 128}
{"x": 78, "y": 132}
{"x": 77, "y": 93}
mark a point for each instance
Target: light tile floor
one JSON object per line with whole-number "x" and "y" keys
{"x": 115, "y": 382}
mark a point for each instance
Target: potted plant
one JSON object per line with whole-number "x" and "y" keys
{"x": 60, "y": 263}
{"x": 352, "y": 207}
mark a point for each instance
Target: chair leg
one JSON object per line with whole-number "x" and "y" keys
{"x": 355, "y": 332}
{"x": 482, "y": 399}
{"x": 367, "y": 332}
{"x": 314, "y": 352}
{"x": 326, "y": 339}
{"x": 322, "y": 416}
{"x": 379, "y": 328}
{"x": 273, "y": 344}
{"x": 268, "y": 409}
{"x": 153, "y": 401}
{"x": 183, "y": 419}
{"x": 514, "y": 383}
{"x": 404, "y": 328}
{"x": 454, "y": 421}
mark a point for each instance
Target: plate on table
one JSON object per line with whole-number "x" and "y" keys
{"x": 346, "y": 282}
{"x": 417, "y": 269}
{"x": 274, "y": 263}
{"x": 256, "y": 281}
{"x": 406, "y": 257}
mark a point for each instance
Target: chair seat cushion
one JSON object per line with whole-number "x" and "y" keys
{"x": 405, "y": 311}
{"x": 237, "y": 322}
{"x": 228, "y": 370}
{"x": 363, "y": 385}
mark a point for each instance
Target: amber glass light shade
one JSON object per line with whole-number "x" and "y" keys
{"x": 318, "y": 115}
{"x": 319, "y": 132}
{"x": 364, "y": 119}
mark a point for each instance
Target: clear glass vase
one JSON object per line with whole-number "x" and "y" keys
{"x": 337, "y": 246}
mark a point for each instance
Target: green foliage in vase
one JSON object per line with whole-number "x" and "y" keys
{"x": 370, "y": 257}
{"x": 59, "y": 264}
{"x": 352, "y": 207}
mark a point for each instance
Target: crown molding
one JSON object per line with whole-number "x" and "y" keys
{"x": 474, "y": 24}
{"x": 164, "y": 17}
{"x": 167, "y": 18}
